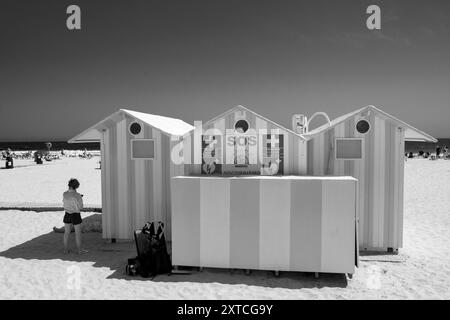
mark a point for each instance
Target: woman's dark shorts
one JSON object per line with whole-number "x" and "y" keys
{"x": 73, "y": 218}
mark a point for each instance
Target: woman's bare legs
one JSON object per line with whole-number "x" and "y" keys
{"x": 67, "y": 230}
{"x": 78, "y": 237}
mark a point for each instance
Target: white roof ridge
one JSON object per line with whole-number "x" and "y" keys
{"x": 167, "y": 125}
{"x": 344, "y": 117}
{"x": 256, "y": 114}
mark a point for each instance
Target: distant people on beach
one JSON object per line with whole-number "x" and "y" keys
{"x": 73, "y": 204}
{"x": 438, "y": 152}
{"x": 85, "y": 154}
{"x": 38, "y": 157}
{"x": 424, "y": 154}
{"x": 445, "y": 152}
{"x": 9, "y": 159}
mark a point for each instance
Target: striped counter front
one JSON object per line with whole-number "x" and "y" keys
{"x": 280, "y": 223}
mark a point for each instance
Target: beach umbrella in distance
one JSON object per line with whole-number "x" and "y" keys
{"x": 49, "y": 145}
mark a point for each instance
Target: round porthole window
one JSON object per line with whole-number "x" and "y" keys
{"x": 362, "y": 126}
{"x": 241, "y": 126}
{"x": 135, "y": 128}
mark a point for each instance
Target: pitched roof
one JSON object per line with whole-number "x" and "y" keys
{"x": 224, "y": 114}
{"x": 169, "y": 126}
{"x": 411, "y": 133}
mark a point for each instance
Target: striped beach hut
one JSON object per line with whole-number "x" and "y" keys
{"x": 136, "y": 169}
{"x": 242, "y": 142}
{"x": 369, "y": 145}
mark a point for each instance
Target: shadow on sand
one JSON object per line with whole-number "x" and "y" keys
{"x": 114, "y": 256}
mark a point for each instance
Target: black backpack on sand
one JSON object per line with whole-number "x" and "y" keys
{"x": 153, "y": 258}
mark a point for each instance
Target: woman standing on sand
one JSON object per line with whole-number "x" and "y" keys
{"x": 73, "y": 203}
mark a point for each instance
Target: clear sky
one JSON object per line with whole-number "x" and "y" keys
{"x": 194, "y": 59}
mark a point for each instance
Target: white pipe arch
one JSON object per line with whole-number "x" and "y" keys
{"x": 319, "y": 113}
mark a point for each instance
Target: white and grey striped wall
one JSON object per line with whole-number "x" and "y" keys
{"x": 135, "y": 191}
{"x": 379, "y": 172}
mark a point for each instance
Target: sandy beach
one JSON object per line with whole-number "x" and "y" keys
{"x": 31, "y": 185}
{"x": 34, "y": 267}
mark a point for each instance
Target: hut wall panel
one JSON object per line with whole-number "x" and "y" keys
{"x": 157, "y": 177}
{"x": 220, "y": 125}
{"x": 290, "y": 153}
{"x": 397, "y": 156}
{"x": 131, "y": 168}
{"x": 295, "y": 156}
{"x": 369, "y": 186}
{"x": 382, "y": 185}
{"x": 244, "y": 211}
{"x": 180, "y": 168}
{"x": 106, "y": 190}
{"x": 122, "y": 176}
{"x": 195, "y": 153}
{"x": 197, "y": 150}
{"x": 326, "y": 160}
{"x": 260, "y": 127}
{"x": 335, "y": 163}
{"x": 303, "y": 157}
{"x": 187, "y": 153}
{"x": 350, "y": 133}
{"x": 149, "y": 194}
{"x": 395, "y": 175}
{"x": 400, "y": 173}
{"x": 274, "y": 230}
{"x": 320, "y": 155}
{"x": 186, "y": 228}
{"x": 328, "y": 157}
{"x": 316, "y": 155}
{"x": 228, "y": 156}
{"x": 287, "y": 153}
{"x": 338, "y": 208}
{"x": 260, "y": 124}
{"x": 215, "y": 223}
{"x": 305, "y": 220}
{"x": 392, "y": 180}
{"x": 375, "y": 171}
{"x": 389, "y": 156}
{"x": 165, "y": 182}
{"x": 339, "y": 165}
{"x": 275, "y": 130}
{"x": 310, "y": 157}
{"x": 379, "y": 183}
{"x": 103, "y": 181}
{"x": 139, "y": 186}
{"x": 172, "y": 169}
{"x": 113, "y": 177}
{"x": 360, "y": 174}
